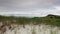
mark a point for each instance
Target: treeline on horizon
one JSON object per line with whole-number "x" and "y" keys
{"x": 48, "y": 20}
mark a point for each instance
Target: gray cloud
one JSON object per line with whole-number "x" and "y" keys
{"x": 23, "y": 4}
{"x": 32, "y": 7}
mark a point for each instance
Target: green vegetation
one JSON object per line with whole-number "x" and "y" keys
{"x": 48, "y": 20}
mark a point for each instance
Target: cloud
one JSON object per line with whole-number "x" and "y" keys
{"x": 34, "y": 13}
{"x": 23, "y": 4}
{"x": 29, "y": 7}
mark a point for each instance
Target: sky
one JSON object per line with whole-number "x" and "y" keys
{"x": 29, "y": 8}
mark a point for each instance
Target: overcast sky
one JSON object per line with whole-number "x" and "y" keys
{"x": 29, "y": 8}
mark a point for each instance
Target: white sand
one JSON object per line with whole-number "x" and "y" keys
{"x": 32, "y": 29}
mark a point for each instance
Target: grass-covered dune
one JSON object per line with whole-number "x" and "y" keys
{"x": 48, "y": 20}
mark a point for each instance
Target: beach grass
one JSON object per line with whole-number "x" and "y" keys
{"x": 48, "y": 20}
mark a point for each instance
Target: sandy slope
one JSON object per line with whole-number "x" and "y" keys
{"x": 28, "y": 29}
